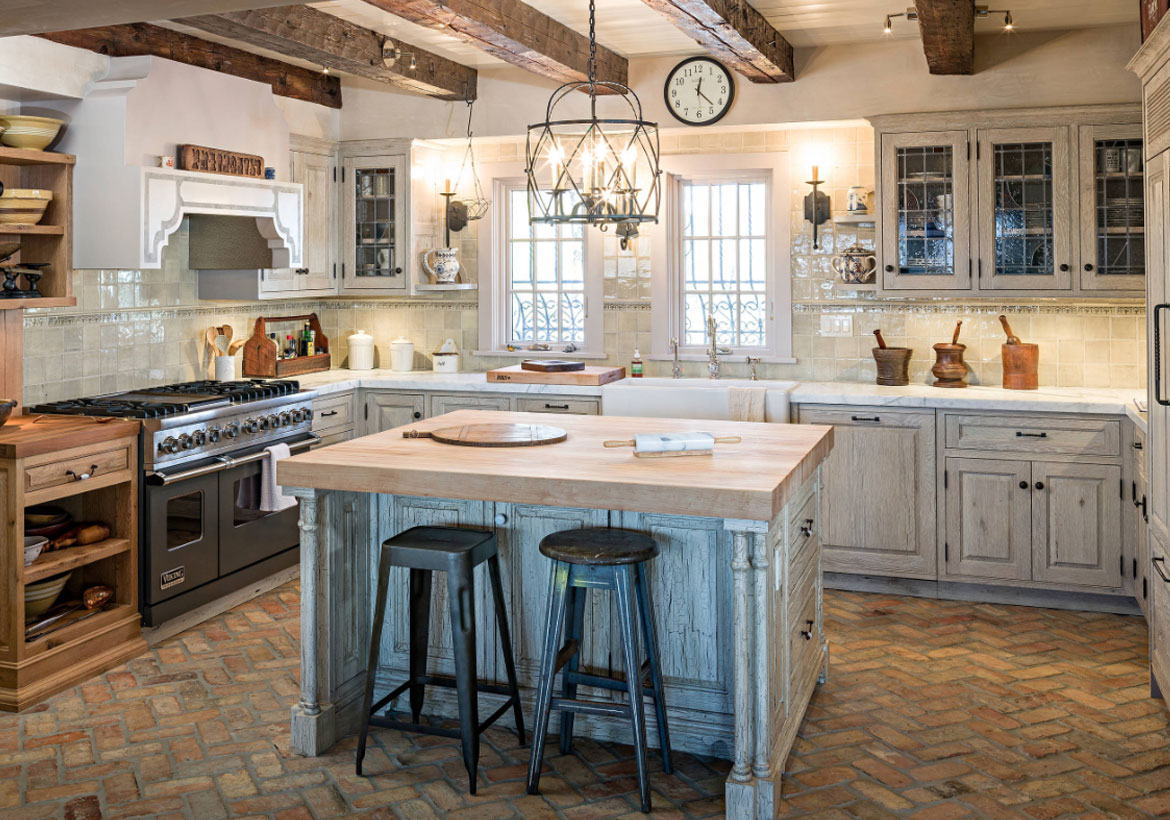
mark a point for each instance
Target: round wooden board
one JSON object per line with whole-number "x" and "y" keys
{"x": 499, "y": 435}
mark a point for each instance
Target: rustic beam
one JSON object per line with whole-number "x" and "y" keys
{"x": 734, "y": 33}
{"x": 948, "y": 35}
{"x": 38, "y": 17}
{"x": 514, "y": 32}
{"x": 308, "y": 34}
{"x": 141, "y": 39}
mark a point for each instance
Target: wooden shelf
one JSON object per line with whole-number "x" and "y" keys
{"x": 44, "y": 302}
{"x": 846, "y": 286}
{"x": 70, "y": 558}
{"x": 451, "y": 286}
{"x": 24, "y": 156}
{"x": 75, "y": 627}
{"x": 11, "y": 229}
{"x": 855, "y": 219}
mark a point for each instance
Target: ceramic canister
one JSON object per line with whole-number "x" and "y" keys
{"x": 361, "y": 351}
{"x": 402, "y": 355}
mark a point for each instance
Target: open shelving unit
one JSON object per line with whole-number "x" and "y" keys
{"x": 50, "y": 240}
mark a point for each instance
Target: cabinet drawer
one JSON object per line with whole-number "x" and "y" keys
{"x": 333, "y": 411}
{"x": 552, "y": 404}
{"x": 1139, "y": 453}
{"x": 805, "y": 649}
{"x": 77, "y": 469}
{"x": 1034, "y": 435}
{"x": 803, "y": 525}
{"x": 335, "y": 436}
{"x": 1159, "y": 615}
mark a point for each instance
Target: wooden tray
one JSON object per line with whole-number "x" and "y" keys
{"x": 551, "y": 366}
{"x": 590, "y": 375}
{"x": 493, "y": 435}
{"x": 260, "y": 359}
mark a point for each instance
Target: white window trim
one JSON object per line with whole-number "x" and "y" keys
{"x": 665, "y": 252}
{"x": 497, "y": 178}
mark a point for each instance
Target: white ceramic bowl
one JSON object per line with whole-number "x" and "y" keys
{"x": 23, "y": 206}
{"x": 33, "y": 544}
{"x": 40, "y": 597}
{"x": 34, "y": 133}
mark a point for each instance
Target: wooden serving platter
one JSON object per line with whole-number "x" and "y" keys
{"x": 493, "y": 435}
{"x": 590, "y": 375}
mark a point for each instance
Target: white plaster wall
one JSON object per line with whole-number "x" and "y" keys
{"x": 34, "y": 67}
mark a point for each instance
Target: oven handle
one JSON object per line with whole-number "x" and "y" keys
{"x": 158, "y": 478}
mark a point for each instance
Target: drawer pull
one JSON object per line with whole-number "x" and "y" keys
{"x": 1137, "y": 445}
{"x": 871, "y": 419}
{"x": 1158, "y": 562}
{"x": 82, "y": 476}
{"x": 807, "y": 633}
{"x": 806, "y": 529}
{"x": 328, "y": 413}
{"x": 1023, "y": 485}
{"x": 1039, "y": 485}
{"x": 1030, "y": 435}
{"x": 548, "y": 406}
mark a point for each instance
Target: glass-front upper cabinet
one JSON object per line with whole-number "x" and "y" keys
{"x": 374, "y": 234}
{"x": 925, "y": 202}
{"x": 1113, "y": 226}
{"x": 1025, "y": 209}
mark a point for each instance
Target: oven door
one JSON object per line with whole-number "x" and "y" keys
{"x": 182, "y": 537}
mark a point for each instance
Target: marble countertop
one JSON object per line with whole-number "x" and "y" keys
{"x": 1107, "y": 401}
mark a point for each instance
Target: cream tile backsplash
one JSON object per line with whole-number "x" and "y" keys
{"x": 133, "y": 328}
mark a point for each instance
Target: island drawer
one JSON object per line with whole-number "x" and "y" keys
{"x": 553, "y": 404}
{"x": 802, "y": 525}
{"x": 333, "y": 411}
{"x": 77, "y": 468}
{"x": 804, "y": 638}
{"x": 1034, "y": 435}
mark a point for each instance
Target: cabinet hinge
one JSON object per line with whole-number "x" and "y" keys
{"x": 335, "y": 173}
{"x": 946, "y": 552}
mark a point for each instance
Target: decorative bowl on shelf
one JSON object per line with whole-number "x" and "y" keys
{"x": 33, "y": 545}
{"x": 23, "y": 206}
{"x": 40, "y": 597}
{"x": 34, "y": 133}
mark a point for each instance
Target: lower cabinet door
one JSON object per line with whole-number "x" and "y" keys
{"x": 1076, "y": 523}
{"x": 1160, "y": 613}
{"x": 988, "y": 519}
{"x": 385, "y": 411}
{"x": 441, "y": 404}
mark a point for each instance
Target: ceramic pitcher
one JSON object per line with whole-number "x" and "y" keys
{"x": 445, "y": 269}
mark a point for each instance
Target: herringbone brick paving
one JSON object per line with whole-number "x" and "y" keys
{"x": 934, "y": 709}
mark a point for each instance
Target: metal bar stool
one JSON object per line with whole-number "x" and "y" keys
{"x": 457, "y": 552}
{"x": 600, "y": 559}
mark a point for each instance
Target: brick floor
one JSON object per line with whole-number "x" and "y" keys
{"x": 935, "y": 709}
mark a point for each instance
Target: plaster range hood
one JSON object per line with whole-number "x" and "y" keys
{"x": 126, "y": 207}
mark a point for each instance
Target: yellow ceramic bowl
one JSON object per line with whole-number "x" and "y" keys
{"x": 23, "y": 206}
{"x": 40, "y": 597}
{"x": 34, "y": 133}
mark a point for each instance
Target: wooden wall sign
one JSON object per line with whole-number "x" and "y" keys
{"x": 219, "y": 161}
{"x": 1152, "y": 12}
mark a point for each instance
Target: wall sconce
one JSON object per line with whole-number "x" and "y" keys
{"x": 817, "y": 207}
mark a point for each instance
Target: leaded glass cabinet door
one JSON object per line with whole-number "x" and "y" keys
{"x": 1113, "y": 225}
{"x": 925, "y": 211}
{"x": 1025, "y": 209}
{"x": 375, "y": 192}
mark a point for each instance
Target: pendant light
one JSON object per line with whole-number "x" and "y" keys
{"x": 594, "y": 170}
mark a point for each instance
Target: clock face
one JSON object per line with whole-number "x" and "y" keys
{"x": 699, "y": 91}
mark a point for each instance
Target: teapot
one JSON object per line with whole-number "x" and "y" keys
{"x": 855, "y": 265}
{"x": 445, "y": 269}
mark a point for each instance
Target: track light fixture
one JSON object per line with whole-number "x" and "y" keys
{"x": 392, "y": 54}
{"x": 981, "y": 12}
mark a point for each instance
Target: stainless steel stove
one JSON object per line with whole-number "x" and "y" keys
{"x": 202, "y": 532}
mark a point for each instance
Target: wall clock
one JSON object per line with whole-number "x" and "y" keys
{"x": 699, "y": 91}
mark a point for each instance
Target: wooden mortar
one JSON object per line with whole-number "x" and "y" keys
{"x": 1020, "y": 361}
{"x": 949, "y": 368}
{"x": 893, "y": 363}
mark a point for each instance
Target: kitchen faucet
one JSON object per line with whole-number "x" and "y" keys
{"x": 676, "y": 368}
{"x": 753, "y": 361}
{"x": 714, "y": 351}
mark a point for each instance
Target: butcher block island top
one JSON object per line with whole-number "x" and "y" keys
{"x": 751, "y": 480}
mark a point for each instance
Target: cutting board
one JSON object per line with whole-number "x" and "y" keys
{"x": 493, "y": 435}
{"x": 591, "y": 375}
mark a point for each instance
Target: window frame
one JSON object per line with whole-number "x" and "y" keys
{"x": 667, "y": 291}
{"x": 494, "y": 281}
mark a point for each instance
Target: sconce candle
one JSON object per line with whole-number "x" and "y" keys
{"x": 814, "y": 174}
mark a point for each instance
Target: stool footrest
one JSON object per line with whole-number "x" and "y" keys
{"x": 447, "y": 682}
{"x": 590, "y": 707}
{"x": 603, "y": 683}
{"x": 566, "y": 654}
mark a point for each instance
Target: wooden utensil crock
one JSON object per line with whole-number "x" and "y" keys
{"x": 949, "y": 368}
{"x": 1020, "y": 363}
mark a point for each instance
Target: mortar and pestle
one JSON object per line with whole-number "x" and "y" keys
{"x": 893, "y": 363}
{"x": 1020, "y": 361}
{"x": 949, "y": 368}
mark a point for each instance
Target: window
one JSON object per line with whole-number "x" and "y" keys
{"x": 538, "y": 284}
{"x": 723, "y": 256}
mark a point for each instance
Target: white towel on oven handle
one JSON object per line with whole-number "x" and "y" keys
{"x": 272, "y": 497}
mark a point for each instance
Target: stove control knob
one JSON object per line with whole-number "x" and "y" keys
{"x": 286, "y": 418}
{"x": 213, "y": 434}
{"x": 199, "y": 437}
{"x": 304, "y": 414}
{"x": 170, "y": 445}
{"x": 252, "y": 425}
{"x": 263, "y": 422}
{"x": 232, "y": 430}
{"x": 186, "y": 441}
{"x": 273, "y": 421}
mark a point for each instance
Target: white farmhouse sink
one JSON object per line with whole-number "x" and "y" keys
{"x": 688, "y": 398}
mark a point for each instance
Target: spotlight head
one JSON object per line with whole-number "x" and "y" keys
{"x": 1008, "y": 25}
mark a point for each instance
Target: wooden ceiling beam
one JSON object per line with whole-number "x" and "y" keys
{"x": 735, "y": 34}
{"x": 143, "y": 39}
{"x": 948, "y": 35}
{"x": 515, "y": 33}
{"x": 308, "y": 34}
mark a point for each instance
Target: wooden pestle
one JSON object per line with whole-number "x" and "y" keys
{"x": 1012, "y": 339}
{"x": 881, "y": 342}
{"x": 958, "y": 327}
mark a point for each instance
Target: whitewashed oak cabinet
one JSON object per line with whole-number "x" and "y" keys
{"x": 385, "y": 409}
{"x": 1042, "y": 202}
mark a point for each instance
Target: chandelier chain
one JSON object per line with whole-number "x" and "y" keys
{"x": 592, "y": 46}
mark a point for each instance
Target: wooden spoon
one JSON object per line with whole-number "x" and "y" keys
{"x": 210, "y": 336}
{"x": 226, "y": 330}
{"x": 881, "y": 342}
{"x": 235, "y": 346}
{"x": 1012, "y": 339}
{"x": 958, "y": 327}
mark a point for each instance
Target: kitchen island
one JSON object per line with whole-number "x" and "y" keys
{"x": 737, "y": 584}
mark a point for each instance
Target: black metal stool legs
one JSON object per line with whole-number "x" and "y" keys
{"x": 462, "y": 604}
{"x": 627, "y": 606}
{"x": 493, "y": 565}
{"x": 650, "y": 641}
{"x": 372, "y": 664}
{"x": 420, "y": 633}
{"x": 554, "y": 627}
{"x": 574, "y": 632}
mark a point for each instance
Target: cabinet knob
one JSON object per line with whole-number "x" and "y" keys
{"x": 1039, "y": 485}
{"x": 889, "y": 268}
{"x": 397, "y": 271}
{"x": 1064, "y": 268}
{"x": 501, "y": 519}
{"x": 1023, "y": 485}
{"x": 1088, "y": 266}
{"x": 417, "y": 414}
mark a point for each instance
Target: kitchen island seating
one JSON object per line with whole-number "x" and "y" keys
{"x": 601, "y": 559}
{"x": 457, "y": 552}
